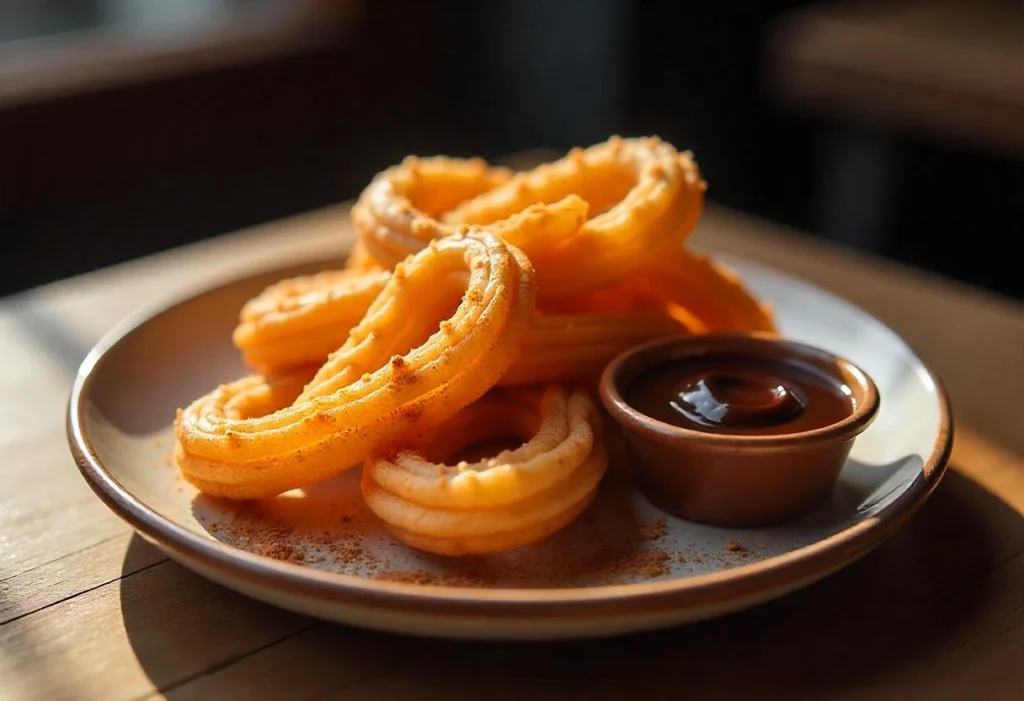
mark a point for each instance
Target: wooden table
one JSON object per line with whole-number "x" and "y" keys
{"x": 90, "y": 611}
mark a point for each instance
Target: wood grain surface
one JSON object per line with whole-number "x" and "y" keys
{"x": 90, "y": 611}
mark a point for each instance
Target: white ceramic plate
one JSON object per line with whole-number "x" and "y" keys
{"x": 623, "y": 566}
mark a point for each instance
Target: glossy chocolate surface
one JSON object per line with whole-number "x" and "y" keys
{"x": 741, "y": 394}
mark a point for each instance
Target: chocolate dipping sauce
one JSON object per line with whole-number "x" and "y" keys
{"x": 740, "y": 395}
{"x": 737, "y": 430}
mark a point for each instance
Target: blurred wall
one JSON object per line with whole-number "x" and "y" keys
{"x": 93, "y": 178}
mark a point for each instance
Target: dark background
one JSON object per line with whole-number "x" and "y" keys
{"x": 103, "y": 174}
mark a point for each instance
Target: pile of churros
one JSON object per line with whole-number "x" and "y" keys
{"x": 478, "y": 304}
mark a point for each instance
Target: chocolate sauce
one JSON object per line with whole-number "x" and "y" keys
{"x": 741, "y": 394}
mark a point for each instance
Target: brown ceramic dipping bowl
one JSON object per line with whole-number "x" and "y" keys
{"x": 732, "y": 479}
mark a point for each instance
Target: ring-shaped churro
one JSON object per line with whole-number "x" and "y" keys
{"x": 512, "y": 499}
{"x": 561, "y": 347}
{"x": 399, "y": 211}
{"x": 703, "y": 294}
{"x": 300, "y": 321}
{"x": 384, "y": 385}
{"x": 643, "y": 196}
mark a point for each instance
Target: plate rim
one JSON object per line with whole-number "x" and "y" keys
{"x": 779, "y": 573}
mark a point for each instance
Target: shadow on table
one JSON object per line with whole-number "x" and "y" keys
{"x": 46, "y": 332}
{"x": 892, "y": 609}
